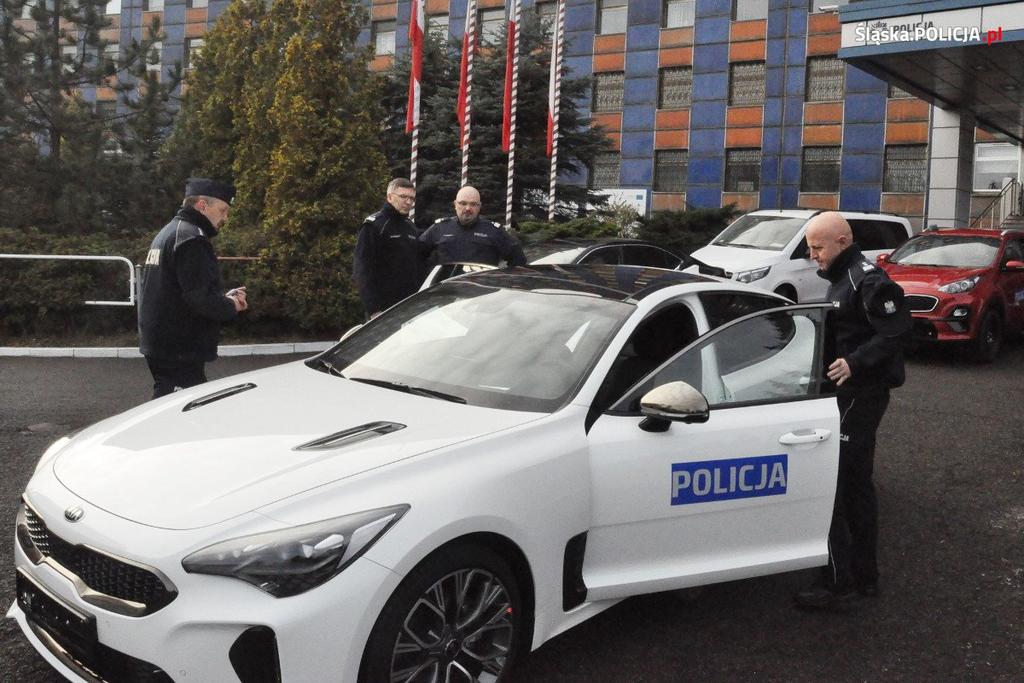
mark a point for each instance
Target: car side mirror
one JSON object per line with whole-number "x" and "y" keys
{"x": 350, "y": 331}
{"x": 1014, "y": 265}
{"x": 672, "y": 402}
{"x": 882, "y": 258}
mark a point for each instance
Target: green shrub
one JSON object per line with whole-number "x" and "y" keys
{"x": 683, "y": 232}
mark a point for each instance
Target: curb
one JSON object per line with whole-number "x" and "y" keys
{"x": 133, "y": 351}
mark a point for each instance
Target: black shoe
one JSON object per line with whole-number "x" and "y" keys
{"x": 823, "y": 597}
{"x": 868, "y": 590}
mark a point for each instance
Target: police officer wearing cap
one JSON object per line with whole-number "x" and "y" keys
{"x": 182, "y": 302}
{"x": 386, "y": 263}
{"x": 467, "y": 238}
{"x": 864, "y": 360}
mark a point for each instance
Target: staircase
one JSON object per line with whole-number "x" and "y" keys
{"x": 1006, "y": 212}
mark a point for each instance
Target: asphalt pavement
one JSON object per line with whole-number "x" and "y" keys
{"x": 949, "y": 470}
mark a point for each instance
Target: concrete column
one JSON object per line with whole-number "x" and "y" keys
{"x": 951, "y": 168}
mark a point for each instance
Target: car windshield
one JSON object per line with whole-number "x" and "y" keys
{"x": 489, "y": 346}
{"x": 947, "y": 251}
{"x": 760, "y": 232}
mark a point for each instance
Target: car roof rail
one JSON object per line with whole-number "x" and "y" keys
{"x": 1012, "y": 231}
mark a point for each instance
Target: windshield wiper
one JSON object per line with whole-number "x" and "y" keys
{"x": 409, "y": 389}
{"x": 328, "y": 367}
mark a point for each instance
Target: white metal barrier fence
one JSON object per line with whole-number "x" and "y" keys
{"x": 76, "y": 257}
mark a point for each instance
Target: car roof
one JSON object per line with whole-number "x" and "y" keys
{"x": 808, "y": 213}
{"x": 611, "y": 282}
{"x": 569, "y": 242}
{"x": 971, "y": 232}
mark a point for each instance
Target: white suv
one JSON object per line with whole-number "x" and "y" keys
{"x": 767, "y": 248}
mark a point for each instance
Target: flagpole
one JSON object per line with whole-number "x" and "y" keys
{"x": 469, "y": 47}
{"x": 416, "y": 31}
{"x": 514, "y": 56}
{"x": 556, "y": 77}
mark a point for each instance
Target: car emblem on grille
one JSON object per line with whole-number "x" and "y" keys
{"x": 73, "y": 514}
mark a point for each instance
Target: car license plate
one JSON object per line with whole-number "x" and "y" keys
{"x": 73, "y": 630}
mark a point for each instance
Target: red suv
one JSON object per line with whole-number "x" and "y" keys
{"x": 963, "y": 285}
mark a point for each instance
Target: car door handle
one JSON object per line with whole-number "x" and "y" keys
{"x": 805, "y": 436}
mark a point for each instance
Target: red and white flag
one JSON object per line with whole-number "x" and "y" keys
{"x": 510, "y": 55}
{"x": 465, "y": 74}
{"x": 416, "y": 24}
{"x": 554, "y": 83}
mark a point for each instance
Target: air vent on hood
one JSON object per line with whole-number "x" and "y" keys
{"x": 217, "y": 395}
{"x": 348, "y": 437}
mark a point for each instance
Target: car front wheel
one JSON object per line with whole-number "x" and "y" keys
{"x": 456, "y": 618}
{"x": 989, "y": 338}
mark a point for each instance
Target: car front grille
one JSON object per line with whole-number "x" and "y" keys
{"x": 114, "y": 579}
{"x": 921, "y": 303}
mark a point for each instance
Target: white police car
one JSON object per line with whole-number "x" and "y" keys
{"x": 487, "y": 464}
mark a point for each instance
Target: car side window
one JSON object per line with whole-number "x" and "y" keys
{"x": 1014, "y": 252}
{"x": 603, "y": 255}
{"x": 895, "y": 233}
{"x": 723, "y": 307}
{"x": 801, "y": 251}
{"x": 868, "y": 235}
{"x": 766, "y": 358}
{"x": 648, "y": 256}
{"x": 662, "y": 334}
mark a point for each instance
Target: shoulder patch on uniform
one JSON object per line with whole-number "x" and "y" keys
{"x": 866, "y": 266}
{"x": 439, "y": 220}
{"x": 889, "y": 306}
{"x": 371, "y": 217}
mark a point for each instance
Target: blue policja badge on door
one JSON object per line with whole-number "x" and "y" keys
{"x": 709, "y": 480}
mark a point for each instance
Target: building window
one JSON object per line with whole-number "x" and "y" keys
{"x": 156, "y": 51}
{"x": 897, "y": 92}
{"x": 995, "y": 162}
{"x": 611, "y": 16}
{"x": 678, "y": 13}
{"x": 742, "y": 170}
{"x": 675, "y": 87}
{"x": 384, "y": 37}
{"x": 491, "y": 23}
{"x": 198, "y": 4}
{"x": 826, "y": 78}
{"x": 816, "y": 5}
{"x": 906, "y": 168}
{"x": 605, "y": 172}
{"x": 69, "y": 57}
{"x": 743, "y": 10}
{"x": 193, "y": 47}
{"x": 113, "y": 7}
{"x": 153, "y": 5}
{"x": 608, "y": 91}
{"x": 111, "y": 54}
{"x": 106, "y": 109}
{"x": 820, "y": 170}
{"x": 438, "y": 24}
{"x": 670, "y": 168}
{"x": 548, "y": 14}
{"x": 746, "y": 83}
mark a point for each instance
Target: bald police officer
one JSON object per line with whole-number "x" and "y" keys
{"x": 864, "y": 360}
{"x": 468, "y": 238}
{"x": 182, "y": 302}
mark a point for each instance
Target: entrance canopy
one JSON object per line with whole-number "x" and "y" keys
{"x": 966, "y": 55}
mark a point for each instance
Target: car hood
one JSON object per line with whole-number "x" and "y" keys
{"x": 163, "y": 466}
{"x": 736, "y": 259}
{"x": 927, "y": 277}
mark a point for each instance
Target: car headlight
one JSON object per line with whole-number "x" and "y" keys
{"x": 960, "y": 286}
{"x": 752, "y": 275}
{"x": 292, "y": 561}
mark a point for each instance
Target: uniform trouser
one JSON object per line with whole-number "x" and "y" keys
{"x": 853, "y": 536}
{"x": 169, "y": 375}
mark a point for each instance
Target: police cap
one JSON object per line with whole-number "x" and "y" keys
{"x": 208, "y": 187}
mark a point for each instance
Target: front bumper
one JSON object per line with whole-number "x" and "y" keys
{"x": 953, "y": 317}
{"x": 320, "y": 635}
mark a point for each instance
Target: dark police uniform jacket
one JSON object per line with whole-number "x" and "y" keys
{"x": 867, "y": 323}
{"x": 480, "y": 242}
{"x": 181, "y": 297}
{"x": 386, "y": 263}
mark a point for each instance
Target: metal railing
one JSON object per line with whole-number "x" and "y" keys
{"x": 79, "y": 257}
{"x": 1010, "y": 202}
